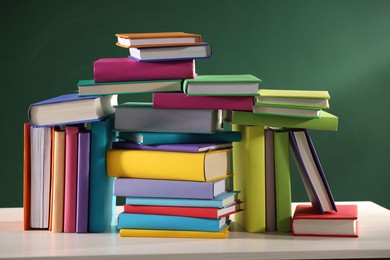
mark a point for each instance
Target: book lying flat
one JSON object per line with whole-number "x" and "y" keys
{"x": 287, "y": 111}
{"x": 125, "y": 69}
{"x": 308, "y": 221}
{"x": 173, "y": 233}
{"x": 156, "y": 39}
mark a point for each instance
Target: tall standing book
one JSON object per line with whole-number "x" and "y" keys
{"x": 270, "y": 180}
{"x": 157, "y": 39}
{"x": 26, "y": 175}
{"x": 311, "y": 171}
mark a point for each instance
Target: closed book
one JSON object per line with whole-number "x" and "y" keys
{"x": 190, "y": 148}
{"x": 284, "y": 93}
{"x": 149, "y": 221}
{"x": 221, "y": 201}
{"x": 125, "y": 69}
{"x": 141, "y": 117}
{"x": 26, "y": 176}
{"x": 182, "y": 101}
{"x": 83, "y": 167}
{"x": 327, "y": 121}
{"x": 308, "y": 221}
{"x": 90, "y": 87}
{"x": 71, "y": 109}
{"x": 224, "y": 233}
{"x": 287, "y": 111}
{"x": 249, "y": 177}
{"x": 270, "y": 180}
{"x": 206, "y": 166}
{"x": 168, "y": 53}
{"x": 178, "y": 138}
{"x": 196, "y": 212}
{"x": 130, "y": 187}
{"x": 156, "y": 39}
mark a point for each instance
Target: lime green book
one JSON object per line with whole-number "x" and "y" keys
{"x": 327, "y": 121}
{"x": 319, "y": 94}
{"x": 222, "y": 85}
{"x": 283, "y": 110}
{"x": 249, "y": 177}
{"x": 282, "y": 180}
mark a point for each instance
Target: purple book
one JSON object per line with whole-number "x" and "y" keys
{"x": 191, "y": 148}
{"x": 270, "y": 180}
{"x": 83, "y": 182}
{"x": 150, "y": 188}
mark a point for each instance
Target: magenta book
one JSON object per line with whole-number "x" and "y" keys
{"x": 126, "y": 69}
{"x": 180, "y": 100}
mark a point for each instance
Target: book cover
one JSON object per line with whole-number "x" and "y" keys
{"x": 270, "y": 180}
{"x": 26, "y": 175}
{"x": 284, "y": 93}
{"x": 249, "y": 177}
{"x": 327, "y": 121}
{"x": 287, "y": 111}
{"x": 101, "y": 199}
{"x": 182, "y": 101}
{"x": 178, "y": 138}
{"x": 224, "y": 233}
{"x": 206, "y": 166}
{"x": 149, "y": 221}
{"x": 130, "y": 187}
{"x": 282, "y": 181}
{"x": 70, "y": 193}
{"x": 51, "y": 179}
{"x": 83, "y": 167}
{"x": 125, "y": 69}
{"x": 311, "y": 171}
{"x": 157, "y": 39}
{"x": 308, "y": 221}
{"x": 221, "y": 201}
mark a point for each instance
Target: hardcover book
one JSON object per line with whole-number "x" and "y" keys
{"x": 287, "y": 111}
{"x": 157, "y": 39}
{"x": 26, "y": 175}
{"x": 270, "y": 180}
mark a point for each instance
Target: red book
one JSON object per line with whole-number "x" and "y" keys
{"x": 180, "y": 100}
{"x": 184, "y": 211}
{"x": 126, "y": 69}
{"x": 309, "y": 221}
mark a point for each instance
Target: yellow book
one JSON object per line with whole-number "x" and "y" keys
{"x": 173, "y": 233}
{"x": 249, "y": 177}
{"x": 206, "y": 166}
{"x": 322, "y": 94}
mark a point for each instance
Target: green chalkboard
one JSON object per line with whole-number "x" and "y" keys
{"x": 335, "y": 45}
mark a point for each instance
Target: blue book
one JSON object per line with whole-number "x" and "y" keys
{"x": 176, "y": 138}
{"x": 221, "y": 201}
{"x": 102, "y": 202}
{"x": 165, "y": 222}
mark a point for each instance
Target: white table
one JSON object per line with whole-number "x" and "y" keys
{"x": 374, "y": 242}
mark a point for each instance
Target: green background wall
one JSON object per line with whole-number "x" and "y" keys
{"x": 339, "y": 46}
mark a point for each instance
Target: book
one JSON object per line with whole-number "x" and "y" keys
{"x": 205, "y": 166}
{"x": 156, "y": 39}
{"x": 70, "y": 192}
{"x": 51, "y": 180}
{"x": 224, "y": 233}
{"x": 149, "y": 188}
{"x": 83, "y": 169}
{"x": 282, "y": 180}
{"x": 190, "y": 148}
{"x": 71, "y": 109}
{"x": 101, "y": 200}
{"x": 300, "y": 98}
{"x": 221, "y": 201}
{"x": 311, "y": 171}
{"x": 222, "y": 85}
{"x": 249, "y": 177}
{"x": 287, "y": 111}
{"x": 177, "y": 138}
{"x": 141, "y": 117}
{"x": 308, "y": 221}
{"x": 270, "y": 180}
{"x": 327, "y": 121}
{"x": 58, "y": 180}
{"x": 125, "y": 69}
{"x": 150, "y": 221}
{"x": 182, "y": 101}
{"x": 168, "y": 53}
{"x": 90, "y": 87}
{"x": 26, "y": 175}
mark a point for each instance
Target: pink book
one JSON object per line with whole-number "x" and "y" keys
{"x": 70, "y": 201}
{"x": 180, "y": 100}
{"x": 126, "y": 69}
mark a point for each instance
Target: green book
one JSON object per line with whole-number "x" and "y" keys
{"x": 327, "y": 121}
{"x": 283, "y": 110}
{"x": 222, "y": 85}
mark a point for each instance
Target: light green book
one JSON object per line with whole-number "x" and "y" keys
{"x": 222, "y": 85}
{"x": 282, "y": 110}
{"x": 327, "y": 121}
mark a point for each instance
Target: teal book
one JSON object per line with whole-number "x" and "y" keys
{"x": 165, "y": 222}
{"x": 282, "y": 180}
{"x": 102, "y": 202}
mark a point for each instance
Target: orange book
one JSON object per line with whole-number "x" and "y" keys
{"x": 142, "y": 40}
{"x": 26, "y": 176}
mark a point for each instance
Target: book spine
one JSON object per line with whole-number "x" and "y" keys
{"x": 173, "y": 233}
{"x": 174, "y": 202}
{"x": 26, "y": 176}
{"x": 270, "y": 180}
{"x": 195, "y": 212}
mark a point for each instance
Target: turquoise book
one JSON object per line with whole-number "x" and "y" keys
{"x": 102, "y": 202}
